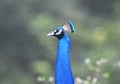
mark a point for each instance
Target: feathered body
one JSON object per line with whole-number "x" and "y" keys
{"x": 63, "y": 73}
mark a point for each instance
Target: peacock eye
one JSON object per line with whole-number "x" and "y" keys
{"x": 57, "y": 31}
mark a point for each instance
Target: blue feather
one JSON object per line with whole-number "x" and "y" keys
{"x": 63, "y": 74}
{"x": 71, "y": 26}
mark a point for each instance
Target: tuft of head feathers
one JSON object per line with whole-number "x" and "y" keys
{"x": 68, "y": 26}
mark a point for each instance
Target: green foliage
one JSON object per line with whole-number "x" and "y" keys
{"x": 27, "y": 56}
{"x": 41, "y": 68}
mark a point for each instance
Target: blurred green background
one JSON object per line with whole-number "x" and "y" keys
{"x": 27, "y": 55}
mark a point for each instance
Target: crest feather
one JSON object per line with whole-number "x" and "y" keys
{"x": 68, "y": 26}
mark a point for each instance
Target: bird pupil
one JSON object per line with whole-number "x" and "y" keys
{"x": 57, "y": 31}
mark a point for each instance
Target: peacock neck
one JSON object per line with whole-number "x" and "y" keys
{"x": 63, "y": 74}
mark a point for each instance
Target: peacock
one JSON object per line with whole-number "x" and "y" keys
{"x": 63, "y": 73}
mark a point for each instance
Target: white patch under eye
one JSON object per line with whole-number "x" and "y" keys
{"x": 54, "y": 30}
{"x": 59, "y": 32}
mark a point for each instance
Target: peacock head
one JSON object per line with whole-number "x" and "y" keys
{"x": 60, "y": 31}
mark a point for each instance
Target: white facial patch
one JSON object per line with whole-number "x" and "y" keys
{"x": 54, "y": 30}
{"x": 59, "y": 32}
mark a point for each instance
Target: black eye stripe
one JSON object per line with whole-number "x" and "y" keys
{"x": 59, "y": 32}
{"x": 56, "y": 31}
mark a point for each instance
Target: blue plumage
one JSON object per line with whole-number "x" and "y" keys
{"x": 63, "y": 73}
{"x": 71, "y": 26}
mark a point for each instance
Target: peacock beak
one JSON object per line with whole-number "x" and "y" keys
{"x": 50, "y": 34}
